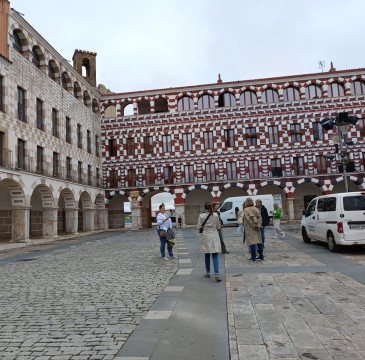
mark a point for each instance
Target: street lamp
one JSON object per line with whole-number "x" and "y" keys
{"x": 342, "y": 121}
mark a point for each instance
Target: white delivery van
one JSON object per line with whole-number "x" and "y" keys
{"x": 338, "y": 219}
{"x": 227, "y": 209}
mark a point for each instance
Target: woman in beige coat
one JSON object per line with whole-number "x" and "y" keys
{"x": 252, "y": 223}
{"x": 209, "y": 239}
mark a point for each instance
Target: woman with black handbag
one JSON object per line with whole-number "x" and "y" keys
{"x": 208, "y": 225}
{"x": 164, "y": 223}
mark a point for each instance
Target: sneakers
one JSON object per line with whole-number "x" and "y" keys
{"x": 217, "y": 278}
{"x": 283, "y": 235}
{"x": 165, "y": 258}
{"x": 275, "y": 237}
{"x": 173, "y": 257}
{"x": 207, "y": 276}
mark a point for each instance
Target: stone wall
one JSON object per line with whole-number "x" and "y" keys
{"x": 116, "y": 219}
{"x": 192, "y": 214}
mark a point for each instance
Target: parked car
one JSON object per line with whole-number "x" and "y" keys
{"x": 338, "y": 219}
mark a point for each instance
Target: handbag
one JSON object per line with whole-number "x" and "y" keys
{"x": 202, "y": 227}
{"x": 163, "y": 233}
{"x": 170, "y": 235}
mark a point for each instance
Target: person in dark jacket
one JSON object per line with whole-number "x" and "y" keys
{"x": 265, "y": 219}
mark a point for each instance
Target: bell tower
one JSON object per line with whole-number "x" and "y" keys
{"x": 84, "y": 62}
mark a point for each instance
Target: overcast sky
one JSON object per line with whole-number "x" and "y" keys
{"x": 151, "y": 44}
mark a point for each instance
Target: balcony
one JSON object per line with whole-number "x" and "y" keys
{"x": 6, "y": 159}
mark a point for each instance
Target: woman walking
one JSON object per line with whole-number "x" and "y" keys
{"x": 252, "y": 223}
{"x": 164, "y": 222}
{"x": 276, "y": 215}
{"x": 208, "y": 225}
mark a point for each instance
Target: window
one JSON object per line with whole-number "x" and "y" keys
{"x": 130, "y": 146}
{"x": 206, "y": 102}
{"x": 51, "y": 72}
{"x": 79, "y": 136}
{"x": 2, "y": 152}
{"x": 2, "y": 93}
{"x": 21, "y": 104}
{"x": 208, "y": 139}
{"x": 291, "y": 94}
{"x": 79, "y": 171}
{"x": 17, "y": 43}
{"x": 68, "y": 130}
{"x": 113, "y": 147}
{"x": 251, "y": 136}
{"x": 322, "y": 164}
{"x": 113, "y": 178}
{"x": 248, "y": 98}
{"x": 189, "y": 173}
{"x": 298, "y": 166}
{"x": 97, "y": 176}
{"x": 185, "y": 103}
{"x": 54, "y": 122}
{"x": 317, "y": 131}
{"x": 253, "y": 169}
{"x": 273, "y": 134}
{"x": 88, "y": 139}
{"x": 161, "y": 105}
{"x": 94, "y": 106}
{"x": 187, "y": 142}
{"x": 229, "y": 137}
{"x": 21, "y": 154}
{"x": 231, "y": 171}
{"x": 131, "y": 177}
{"x": 295, "y": 133}
{"x": 76, "y": 90}
{"x": 89, "y": 175}
{"x": 85, "y": 98}
{"x": 335, "y": 90}
{"x": 39, "y": 114}
{"x": 313, "y": 92}
{"x": 68, "y": 168}
{"x": 354, "y": 203}
{"x": 55, "y": 164}
{"x": 276, "y": 170}
{"x": 39, "y": 159}
{"x": 150, "y": 176}
{"x": 64, "y": 81}
{"x": 361, "y": 123}
{"x": 148, "y": 144}
{"x": 35, "y": 57}
{"x": 210, "y": 172}
{"x": 166, "y": 143}
{"x": 226, "y": 100}
{"x": 358, "y": 87}
{"x": 97, "y": 152}
{"x": 168, "y": 175}
{"x": 269, "y": 96}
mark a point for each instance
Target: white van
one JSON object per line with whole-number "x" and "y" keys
{"x": 227, "y": 209}
{"x": 338, "y": 219}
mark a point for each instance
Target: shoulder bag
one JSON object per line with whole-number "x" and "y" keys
{"x": 202, "y": 228}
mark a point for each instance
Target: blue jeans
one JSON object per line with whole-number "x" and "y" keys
{"x": 163, "y": 245}
{"x": 253, "y": 251}
{"x": 263, "y": 236}
{"x": 240, "y": 228}
{"x": 215, "y": 263}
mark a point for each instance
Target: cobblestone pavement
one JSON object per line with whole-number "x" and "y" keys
{"x": 78, "y": 299}
{"x": 294, "y": 314}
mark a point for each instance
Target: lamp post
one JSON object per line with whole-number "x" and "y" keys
{"x": 342, "y": 121}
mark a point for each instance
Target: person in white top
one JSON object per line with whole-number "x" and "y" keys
{"x": 164, "y": 222}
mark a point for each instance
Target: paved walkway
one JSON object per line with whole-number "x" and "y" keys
{"x": 110, "y": 296}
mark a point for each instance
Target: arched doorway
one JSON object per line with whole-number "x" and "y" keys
{"x": 232, "y": 191}
{"x": 85, "y": 213}
{"x": 194, "y": 205}
{"x": 339, "y": 187}
{"x": 303, "y": 194}
{"x": 116, "y": 211}
{"x": 67, "y": 214}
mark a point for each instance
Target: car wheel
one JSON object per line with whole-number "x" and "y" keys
{"x": 306, "y": 239}
{"x": 332, "y": 243}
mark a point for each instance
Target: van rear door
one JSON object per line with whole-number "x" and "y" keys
{"x": 354, "y": 217}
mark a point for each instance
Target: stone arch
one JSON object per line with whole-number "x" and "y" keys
{"x": 305, "y": 191}
{"x": 86, "y": 201}
{"x": 185, "y": 102}
{"x": 110, "y": 110}
{"x": 85, "y": 212}
{"x": 206, "y": 101}
{"x": 126, "y": 108}
{"x": 291, "y": 93}
{"x": 38, "y": 58}
{"x": 69, "y": 201}
{"x": 20, "y": 42}
{"x": 116, "y": 218}
{"x": 313, "y": 90}
{"x": 195, "y": 198}
{"x": 95, "y": 106}
{"x": 227, "y": 98}
{"x": 53, "y": 70}
{"x": 86, "y": 98}
{"x": 66, "y": 81}
{"x": 100, "y": 202}
{"x": 15, "y": 189}
{"x": 354, "y": 184}
{"x": 66, "y": 212}
{"x": 232, "y": 190}
{"x": 77, "y": 90}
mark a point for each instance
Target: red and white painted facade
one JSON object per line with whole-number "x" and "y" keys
{"x": 258, "y": 124}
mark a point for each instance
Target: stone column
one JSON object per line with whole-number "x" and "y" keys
{"x": 20, "y": 231}
{"x": 72, "y": 220}
{"x": 50, "y": 222}
{"x": 103, "y": 219}
{"x": 180, "y": 213}
{"x": 136, "y": 210}
{"x": 88, "y": 219}
{"x": 290, "y": 202}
